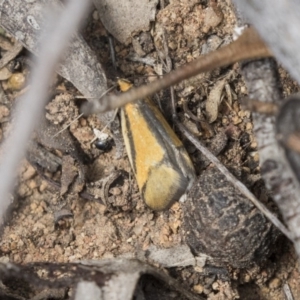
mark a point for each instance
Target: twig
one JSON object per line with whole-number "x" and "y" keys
{"x": 30, "y": 108}
{"x": 247, "y": 46}
{"x": 287, "y": 292}
{"x": 112, "y": 51}
{"x": 240, "y": 186}
{"x": 68, "y": 125}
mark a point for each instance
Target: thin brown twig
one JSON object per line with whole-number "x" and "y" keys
{"x": 67, "y": 126}
{"x": 247, "y": 46}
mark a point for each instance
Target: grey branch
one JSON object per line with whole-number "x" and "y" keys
{"x": 30, "y": 107}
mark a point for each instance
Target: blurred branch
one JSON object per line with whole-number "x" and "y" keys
{"x": 278, "y": 24}
{"x": 30, "y": 107}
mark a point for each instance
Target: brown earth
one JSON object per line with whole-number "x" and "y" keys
{"x": 89, "y": 229}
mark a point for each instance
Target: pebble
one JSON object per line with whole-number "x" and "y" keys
{"x": 32, "y": 184}
{"x": 16, "y": 81}
{"x": 211, "y": 19}
{"x": 243, "y": 90}
{"x": 13, "y": 245}
{"x": 83, "y": 122}
{"x": 249, "y": 126}
{"x": 33, "y": 206}
{"x": 4, "y": 259}
{"x": 29, "y": 173}
{"x": 5, "y": 74}
{"x": 247, "y": 278}
{"x": 43, "y": 186}
{"x": 275, "y": 283}
{"x": 236, "y": 120}
{"x": 115, "y": 191}
{"x": 4, "y": 111}
{"x": 225, "y": 121}
{"x": 215, "y": 286}
{"x": 95, "y": 15}
{"x": 253, "y": 145}
{"x": 198, "y": 288}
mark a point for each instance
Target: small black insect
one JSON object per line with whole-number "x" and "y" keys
{"x": 104, "y": 145}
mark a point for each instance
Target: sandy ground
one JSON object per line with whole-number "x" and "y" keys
{"x": 49, "y": 225}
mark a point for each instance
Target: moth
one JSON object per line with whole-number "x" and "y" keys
{"x": 162, "y": 167}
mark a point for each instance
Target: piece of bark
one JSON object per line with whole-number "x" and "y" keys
{"x": 38, "y": 156}
{"x": 261, "y": 78}
{"x": 65, "y": 142}
{"x": 106, "y": 279}
{"x": 288, "y": 127}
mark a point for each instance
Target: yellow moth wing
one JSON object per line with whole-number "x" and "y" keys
{"x": 161, "y": 165}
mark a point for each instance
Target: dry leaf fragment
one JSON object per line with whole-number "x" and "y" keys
{"x": 215, "y": 98}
